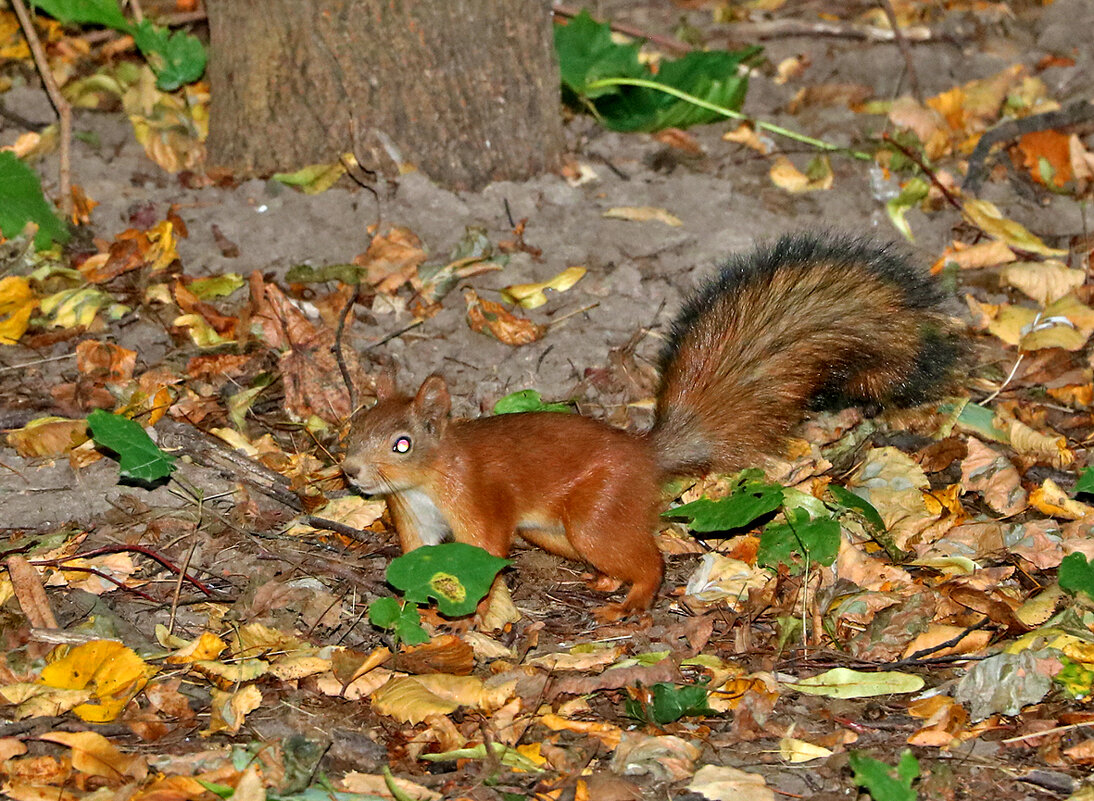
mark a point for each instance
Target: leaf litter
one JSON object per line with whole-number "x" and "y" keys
{"x": 212, "y": 619}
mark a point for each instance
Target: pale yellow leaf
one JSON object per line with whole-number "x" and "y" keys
{"x": 643, "y": 214}
{"x": 987, "y": 216}
{"x": 532, "y": 296}
{"x": 719, "y": 783}
{"x": 1045, "y": 282}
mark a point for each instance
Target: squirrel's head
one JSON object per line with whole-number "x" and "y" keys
{"x": 390, "y": 445}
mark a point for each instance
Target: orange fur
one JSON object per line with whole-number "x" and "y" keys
{"x": 808, "y": 317}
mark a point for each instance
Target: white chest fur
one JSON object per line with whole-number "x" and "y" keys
{"x": 432, "y": 527}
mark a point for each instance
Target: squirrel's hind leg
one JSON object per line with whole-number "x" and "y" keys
{"x": 617, "y": 539}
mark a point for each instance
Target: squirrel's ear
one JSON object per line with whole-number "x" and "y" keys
{"x": 433, "y": 401}
{"x": 385, "y": 384}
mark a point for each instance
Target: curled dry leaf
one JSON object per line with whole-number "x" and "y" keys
{"x": 720, "y": 783}
{"x": 95, "y": 755}
{"x": 973, "y": 257}
{"x": 1045, "y": 282}
{"x": 1053, "y": 501}
{"x": 818, "y": 175}
{"x": 229, "y": 709}
{"x": 988, "y": 472}
{"x": 493, "y": 319}
{"x": 48, "y": 437}
{"x": 666, "y": 758}
{"x": 532, "y": 296}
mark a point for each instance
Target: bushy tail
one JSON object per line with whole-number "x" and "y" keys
{"x": 812, "y": 317}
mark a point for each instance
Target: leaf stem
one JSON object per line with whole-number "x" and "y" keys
{"x": 727, "y": 112}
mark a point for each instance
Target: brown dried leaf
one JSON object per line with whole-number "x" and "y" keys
{"x": 493, "y": 319}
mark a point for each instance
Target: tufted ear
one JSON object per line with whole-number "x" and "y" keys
{"x": 433, "y": 402}
{"x": 385, "y": 384}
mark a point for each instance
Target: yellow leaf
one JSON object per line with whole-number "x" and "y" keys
{"x": 113, "y": 672}
{"x": 731, "y": 784}
{"x": 986, "y": 216}
{"x": 1054, "y": 502}
{"x": 203, "y": 334}
{"x": 794, "y": 750}
{"x": 229, "y": 709}
{"x": 207, "y": 647}
{"x": 95, "y": 755}
{"x": 531, "y": 296}
{"x": 643, "y": 214}
{"x": 1045, "y": 282}
{"x": 786, "y": 176}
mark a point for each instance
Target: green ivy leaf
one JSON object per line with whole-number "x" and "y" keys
{"x": 527, "y": 400}
{"x": 1076, "y": 574}
{"x": 670, "y": 702}
{"x": 1086, "y": 482}
{"x": 86, "y": 12}
{"x": 878, "y": 778}
{"x": 402, "y": 619}
{"x": 798, "y": 540}
{"x": 22, "y": 201}
{"x": 752, "y": 498}
{"x": 177, "y": 58}
{"x": 846, "y": 499}
{"x": 457, "y": 575}
{"x": 587, "y": 54}
{"x": 139, "y": 458}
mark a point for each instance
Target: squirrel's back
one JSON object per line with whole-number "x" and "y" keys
{"x": 811, "y": 317}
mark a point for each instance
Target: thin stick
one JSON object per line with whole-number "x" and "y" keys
{"x": 60, "y": 105}
{"x": 37, "y": 361}
{"x": 727, "y": 112}
{"x": 914, "y": 158}
{"x": 337, "y": 348}
{"x": 905, "y": 50}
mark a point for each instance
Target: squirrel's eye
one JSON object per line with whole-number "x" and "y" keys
{"x": 401, "y": 445}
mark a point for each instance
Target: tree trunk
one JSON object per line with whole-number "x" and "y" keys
{"x": 465, "y": 90}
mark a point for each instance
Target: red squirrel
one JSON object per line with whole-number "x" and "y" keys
{"x": 812, "y": 318}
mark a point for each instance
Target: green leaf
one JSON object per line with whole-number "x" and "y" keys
{"x": 527, "y": 400}
{"x": 402, "y": 619}
{"x": 457, "y": 575}
{"x": 846, "y": 499}
{"x": 1086, "y": 482}
{"x": 177, "y": 58}
{"x": 846, "y": 683}
{"x": 587, "y": 57}
{"x": 217, "y": 286}
{"x": 87, "y": 12}
{"x": 670, "y": 703}
{"x": 878, "y": 778}
{"x": 752, "y": 498}
{"x": 1076, "y": 574}
{"x": 913, "y": 192}
{"x": 139, "y": 458}
{"x": 22, "y": 201}
{"x": 798, "y": 540}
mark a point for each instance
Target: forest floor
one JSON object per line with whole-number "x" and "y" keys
{"x": 303, "y": 593}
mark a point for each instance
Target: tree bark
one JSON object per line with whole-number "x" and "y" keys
{"x": 465, "y": 90}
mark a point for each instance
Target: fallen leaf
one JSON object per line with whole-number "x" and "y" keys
{"x": 643, "y": 214}
{"x": 493, "y": 319}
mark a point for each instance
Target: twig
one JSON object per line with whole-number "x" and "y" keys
{"x": 337, "y": 348}
{"x": 178, "y": 583}
{"x": 396, "y": 333}
{"x": 914, "y": 157}
{"x": 1079, "y": 111}
{"x": 37, "y": 361}
{"x": 60, "y": 105}
{"x": 905, "y": 50}
{"x": 728, "y": 112}
{"x": 664, "y": 42}
{"x": 789, "y": 28}
{"x": 141, "y": 549}
{"x": 332, "y": 525}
